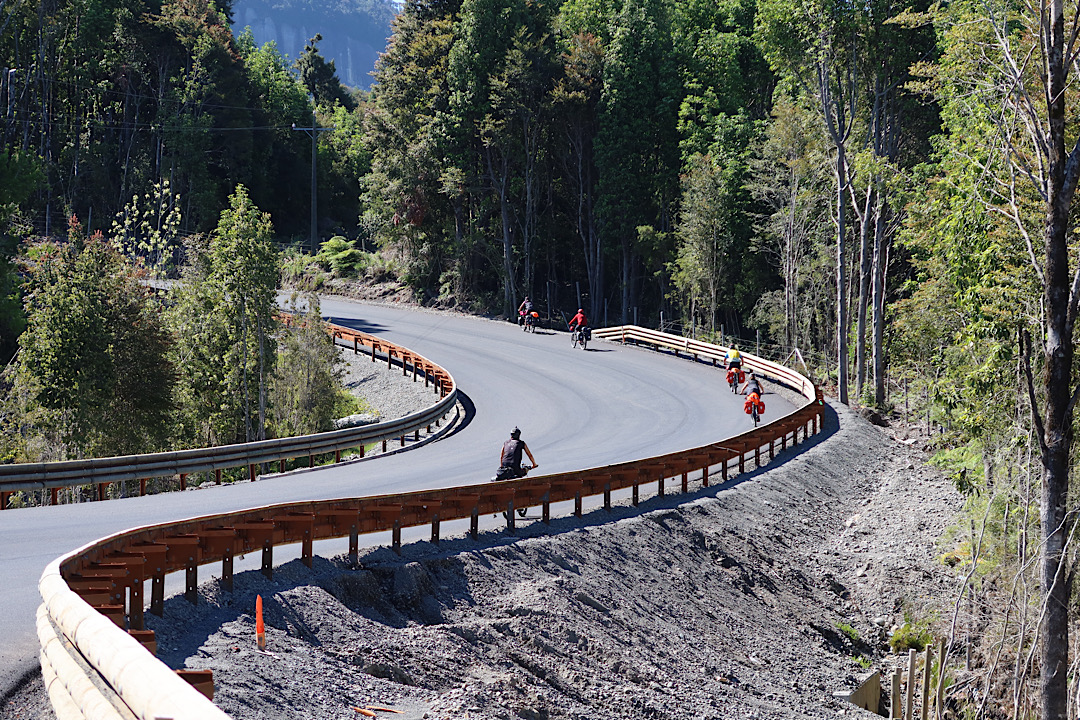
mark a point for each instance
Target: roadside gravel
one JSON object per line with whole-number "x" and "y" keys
{"x": 723, "y": 603}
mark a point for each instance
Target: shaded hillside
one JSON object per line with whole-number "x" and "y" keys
{"x": 354, "y": 31}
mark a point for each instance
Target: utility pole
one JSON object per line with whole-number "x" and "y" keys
{"x": 313, "y": 131}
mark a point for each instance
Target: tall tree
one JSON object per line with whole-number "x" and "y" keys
{"x": 225, "y": 327}
{"x": 1017, "y": 102}
{"x": 819, "y": 47}
{"x": 92, "y": 367}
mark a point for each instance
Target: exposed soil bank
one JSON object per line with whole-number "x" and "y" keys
{"x": 724, "y": 603}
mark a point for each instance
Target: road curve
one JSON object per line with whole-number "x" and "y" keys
{"x": 576, "y": 410}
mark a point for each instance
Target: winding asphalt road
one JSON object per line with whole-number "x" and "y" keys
{"x": 576, "y": 410}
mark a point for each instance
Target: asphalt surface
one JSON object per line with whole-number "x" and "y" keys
{"x": 576, "y": 410}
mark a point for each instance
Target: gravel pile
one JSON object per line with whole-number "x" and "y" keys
{"x": 390, "y": 393}
{"x": 725, "y": 603}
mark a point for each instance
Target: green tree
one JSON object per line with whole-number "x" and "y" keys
{"x": 225, "y": 328}
{"x": 704, "y": 263}
{"x": 320, "y": 78}
{"x": 307, "y": 378}
{"x": 92, "y": 372}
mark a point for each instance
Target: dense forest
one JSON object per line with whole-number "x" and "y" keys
{"x": 883, "y": 191}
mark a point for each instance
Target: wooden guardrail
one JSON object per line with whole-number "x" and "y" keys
{"x": 95, "y": 594}
{"x": 103, "y": 471}
{"x": 716, "y": 353}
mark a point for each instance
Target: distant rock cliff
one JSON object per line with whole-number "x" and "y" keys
{"x": 354, "y": 31}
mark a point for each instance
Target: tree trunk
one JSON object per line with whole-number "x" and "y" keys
{"x": 1057, "y": 429}
{"x": 878, "y": 302}
{"x": 865, "y": 265}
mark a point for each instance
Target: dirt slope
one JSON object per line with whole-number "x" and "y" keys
{"x": 723, "y": 603}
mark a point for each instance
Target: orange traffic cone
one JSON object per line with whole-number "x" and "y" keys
{"x": 260, "y": 629}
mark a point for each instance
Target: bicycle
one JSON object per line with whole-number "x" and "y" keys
{"x": 580, "y": 336}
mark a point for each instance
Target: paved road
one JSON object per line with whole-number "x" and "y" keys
{"x": 576, "y": 409}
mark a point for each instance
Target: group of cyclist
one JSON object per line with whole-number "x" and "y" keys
{"x": 578, "y": 323}
{"x": 752, "y": 386}
{"x": 510, "y": 455}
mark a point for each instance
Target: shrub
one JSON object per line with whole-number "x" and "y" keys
{"x": 912, "y": 635}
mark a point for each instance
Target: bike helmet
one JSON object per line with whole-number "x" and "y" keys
{"x": 515, "y": 433}
{"x": 580, "y": 310}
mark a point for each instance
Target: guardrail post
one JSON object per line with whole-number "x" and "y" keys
{"x": 435, "y": 529}
{"x": 4, "y": 500}
{"x": 217, "y": 475}
{"x": 191, "y": 581}
{"x": 416, "y": 435}
{"x": 705, "y": 473}
{"x": 337, "y": 456}
{"x": 372, "y": 352}
{"x": 311, "y": 461}
{"x": 227, "y": 568}
{"x": 547, "y": 508}
{"x": 660, "y": 484}
{"x": 685, "y": 483}
{"x": 396, "y": 537}
{"x": 389, "y": 357}
{"x": 54, "y": 493}
{"x": 474, "y": 526}
{"x": 510, "y": 527}
{"x": 356, "y": 345}
{"x": 384, "y": 445}
{"x": 607, "y": 497}
{"x": 251, "y": 471}
{"x": 157, "y": 592}
{"x": 101, "y": 490}
{"x": 402, "y": 440}
{"x": 577, "y": 504}
{"x": 742, "y": 461}
{"x": 361, "y": 450}
{"x": 354, "y": 544}
{"x": 135, "y": 620}
{"x": 267, "y": 568}
{"x": 183, "y": 482}
{"x": 635, "y": 495}
{"x": 757, "y": 455}
{"x": 281, "y": 465}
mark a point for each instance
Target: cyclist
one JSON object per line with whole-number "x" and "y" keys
{"x": 579, "y": 321}
{"x": 733, "y": 358}
{"x": 524, "y": 309}
{"x": 753, "y": 392}
{"x": 753, "y": 385}
{"x": 510, "y": 457}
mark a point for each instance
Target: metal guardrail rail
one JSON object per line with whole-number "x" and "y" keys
{"x": 103, "y": 471}
{"x": 97, "y": 658}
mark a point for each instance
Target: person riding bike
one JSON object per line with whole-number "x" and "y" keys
{"x": 733, "y": 358}
{"x": 510, "y": 457}
{"x": 579, "y": 322}
{"x": 524, "y": 309}
{"x": 753, "y": 392}
{"x": 733, "y": 361}
{"x": 753, "y": 385}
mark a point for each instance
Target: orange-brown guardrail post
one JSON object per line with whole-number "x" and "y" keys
{"x": 155, "y": 553}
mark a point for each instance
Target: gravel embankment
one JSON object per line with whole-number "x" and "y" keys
{"x": 725, "y": 603}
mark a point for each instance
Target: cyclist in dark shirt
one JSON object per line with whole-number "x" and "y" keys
{"x": 510, "y": 457}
